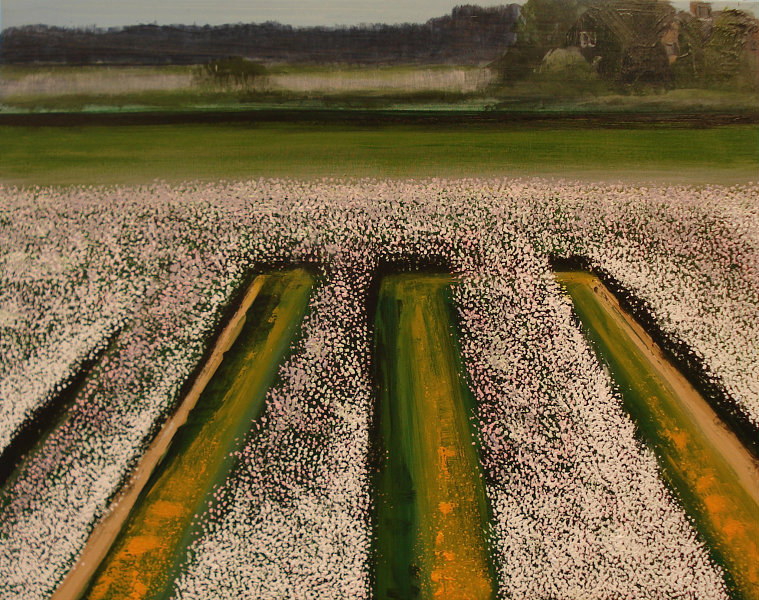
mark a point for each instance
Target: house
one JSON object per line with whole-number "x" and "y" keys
{"x": 631, "y": 41}
{"x": 701, "y": 10}
{"x": 638, "y": 41}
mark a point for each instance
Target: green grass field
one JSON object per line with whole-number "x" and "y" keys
{"x": 708, "y": 488}
{"x": 431, "y": 513}
{"x": 140, "y": 154}
{"x": 155, "y": 538}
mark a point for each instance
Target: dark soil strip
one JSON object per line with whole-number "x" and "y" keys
{"x": 363, "y": 117}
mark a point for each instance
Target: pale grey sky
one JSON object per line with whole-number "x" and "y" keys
{"x": 106, "y": 13}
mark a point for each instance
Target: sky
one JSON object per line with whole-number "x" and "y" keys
{"x": 109, "y": 13}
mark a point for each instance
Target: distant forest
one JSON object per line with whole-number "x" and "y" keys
{"x": 469, "y": 35}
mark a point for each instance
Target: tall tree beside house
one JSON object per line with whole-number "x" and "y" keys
{"x": 715, "y": 53}
{"x": 690, "y": 68}
{"x": 727, "y": 62}
{"x": 544, "y": 23}
{"x": 542, "y": 26}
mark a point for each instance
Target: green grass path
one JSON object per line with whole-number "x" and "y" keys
{"x": 698, "y": 472}
{"x": 157, "y": 532}
{"x": 142, "y": 153}
{"x": 431, "y": 510}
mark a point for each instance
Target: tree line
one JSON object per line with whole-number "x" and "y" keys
{"x": 469, "y": 35}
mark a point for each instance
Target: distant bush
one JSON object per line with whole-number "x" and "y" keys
{"x": 563, "y": 73}
{"x": 717, "y": 57}
{"x": 567, "y": 64}
{"x": 233, "y": 71}
{"x": 543, "y": 25}
{"x": 645, "y": 68}
{"x": 727, "y": 61}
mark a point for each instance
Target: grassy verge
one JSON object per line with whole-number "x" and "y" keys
{"x": 697, "y": 471}
{"x": 157, "y": 532}
{"x": 559, "y": 96}
{"x": 142, "y": 153}
{"x": 210, "y": 99}
{"x": 431, "y": 510}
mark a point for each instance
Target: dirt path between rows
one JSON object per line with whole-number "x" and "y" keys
{"x": 723, "y": 439}
{"x": 432, "y": 510}
{"x": 105, "y": 532}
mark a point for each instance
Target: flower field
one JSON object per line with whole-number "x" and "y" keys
{"x": 578, "y": 507}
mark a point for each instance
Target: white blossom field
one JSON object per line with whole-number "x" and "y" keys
{"x": 579, "y": 509}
